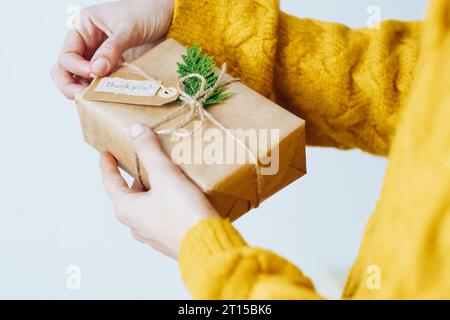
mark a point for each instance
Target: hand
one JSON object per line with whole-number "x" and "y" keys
{"x": 161, "y": 216}
{"x": 108, "y": 34}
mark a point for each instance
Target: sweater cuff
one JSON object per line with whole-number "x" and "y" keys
{"x": 208, "y": 238}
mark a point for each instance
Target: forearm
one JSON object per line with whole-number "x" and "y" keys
{"x": 349, "y": 85}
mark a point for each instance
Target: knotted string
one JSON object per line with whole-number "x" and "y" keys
{"x": 195, "y": 106}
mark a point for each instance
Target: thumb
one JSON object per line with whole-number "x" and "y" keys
{"x": 109, "y": 55}
{"x": 156, "y": 163}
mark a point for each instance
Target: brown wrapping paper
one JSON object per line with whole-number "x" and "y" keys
{"x": 232, "y": 188}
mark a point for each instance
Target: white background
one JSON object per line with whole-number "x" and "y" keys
{"x": 53, "y": 210}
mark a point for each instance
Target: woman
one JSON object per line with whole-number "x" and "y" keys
{"x": 355, "y": 89}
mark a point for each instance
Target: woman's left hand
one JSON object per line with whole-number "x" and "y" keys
{"x": 161, "y": 216}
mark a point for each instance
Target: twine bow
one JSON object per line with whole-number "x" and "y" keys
{"x": 195, "y": 106}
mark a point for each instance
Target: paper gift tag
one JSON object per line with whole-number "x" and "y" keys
{"x": 129, "y": 88}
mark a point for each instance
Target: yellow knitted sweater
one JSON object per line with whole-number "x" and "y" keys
{"x": 385, "y": 91}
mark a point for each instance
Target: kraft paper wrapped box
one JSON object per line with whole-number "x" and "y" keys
{"x": 234, "y": 187}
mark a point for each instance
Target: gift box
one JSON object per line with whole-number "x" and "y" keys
{"x": 247, "y": 150}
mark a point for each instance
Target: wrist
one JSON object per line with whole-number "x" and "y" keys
{"x": 199, "y": 218}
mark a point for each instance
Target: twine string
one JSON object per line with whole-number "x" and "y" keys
{"x": 195, "y": 107}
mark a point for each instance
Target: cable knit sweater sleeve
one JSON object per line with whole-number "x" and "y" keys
{"x": 216, "y": 263}
{"x": 349, "y": 85}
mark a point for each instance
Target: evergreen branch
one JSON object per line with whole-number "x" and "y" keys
{"x": 195, "y": 62}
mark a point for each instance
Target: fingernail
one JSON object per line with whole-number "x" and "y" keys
{"x": 100, "y": 66}
{"x": 93, "y": 76}
{"x": 136, "y": 130}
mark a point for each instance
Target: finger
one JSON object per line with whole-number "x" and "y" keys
{"x": 137, "y": 187}
{"x": 66, "y": 83}
{"x": 137, "y": 237}
{"x": 115, "y": 185}
{"x": 157, "y": 164}
{"x": 135, "y": 52}
{"x": 84, "y": 82}
{"x": 109, "y": 56}
{"x": 75, "y": 64}
{"x": 71, "y": 58}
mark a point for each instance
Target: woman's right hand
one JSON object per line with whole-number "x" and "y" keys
{"x": 106, "y": 35}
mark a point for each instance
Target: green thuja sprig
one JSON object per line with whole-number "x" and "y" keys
{"x": 195, "y": 62}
